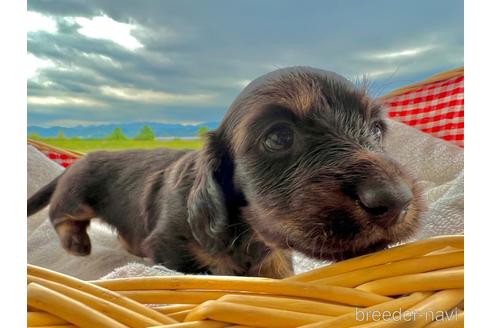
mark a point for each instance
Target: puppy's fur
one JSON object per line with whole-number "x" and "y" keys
{"x": 281, "y": 173}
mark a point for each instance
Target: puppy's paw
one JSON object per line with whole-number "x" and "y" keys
{"x": 77, "y": 244}
{"x": 74, "y": 238}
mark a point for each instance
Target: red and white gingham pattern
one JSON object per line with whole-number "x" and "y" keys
{"x": 62, "y": 159}
{"x": 436, "y": 108}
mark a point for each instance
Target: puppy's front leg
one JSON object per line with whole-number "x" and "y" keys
{"x": 277, "y": 264}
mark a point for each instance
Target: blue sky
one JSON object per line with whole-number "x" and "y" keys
{"x": 183, "y": 61}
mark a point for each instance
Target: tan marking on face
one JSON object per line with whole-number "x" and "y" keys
{"x": 304, "y": 98}
{"x": 297, "y": 94}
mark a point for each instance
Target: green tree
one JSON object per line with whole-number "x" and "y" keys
{"x": 202, "y": 131}
{"x": 60, "y": 135}
{"x": 145, "y": 133}
{"x": 117, "y": 134}
{"x": 34, "y": 136}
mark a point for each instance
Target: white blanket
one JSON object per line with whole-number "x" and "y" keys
{"x": 438, "y": 166}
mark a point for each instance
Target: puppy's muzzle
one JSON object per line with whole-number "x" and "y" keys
{"x": 386, "y": 202}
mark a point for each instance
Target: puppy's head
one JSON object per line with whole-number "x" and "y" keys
{"x": 303, "y": 149}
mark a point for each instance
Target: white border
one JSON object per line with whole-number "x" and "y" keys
{"x": 478, "y": 162}
{"x": 478, "y": 90}
{"x": 13, "y": 186}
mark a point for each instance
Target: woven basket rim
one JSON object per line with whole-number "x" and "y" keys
{"x": 460, "y": 71}
{"x": 44, "y": 146}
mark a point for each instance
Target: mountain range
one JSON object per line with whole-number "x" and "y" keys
{"x": 129, "y": 129}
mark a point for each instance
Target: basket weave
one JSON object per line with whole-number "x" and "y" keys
{"x": 418, "y": 284}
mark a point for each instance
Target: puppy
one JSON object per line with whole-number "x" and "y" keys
{"x": 296, "y": 164}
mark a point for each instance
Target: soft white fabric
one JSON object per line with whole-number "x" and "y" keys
{"x": 437, "y": 165}
{"x": 40, "y": 170}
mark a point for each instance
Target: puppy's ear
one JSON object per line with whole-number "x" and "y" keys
{"x": 207, "y": 203}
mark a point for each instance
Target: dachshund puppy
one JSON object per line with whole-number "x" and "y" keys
{"x": 296, "y": 164}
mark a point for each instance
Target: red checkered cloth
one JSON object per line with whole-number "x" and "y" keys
{"x": 62, "y": 159}
{"x": 436, "y": 108}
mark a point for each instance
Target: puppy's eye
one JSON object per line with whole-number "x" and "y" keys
{"x": 279, "y": 138}
{"x": 377, "y": 131}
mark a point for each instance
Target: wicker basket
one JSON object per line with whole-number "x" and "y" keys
{"x": 419, "y": 284}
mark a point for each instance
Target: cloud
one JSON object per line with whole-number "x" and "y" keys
{"x": 39, "y": 22}
{"x": 158, "y": 97}
{"x": 167, "y": 60}
{"x": 34, "y": 65}
{"x": 103, "y": 27}
{"x": 400, "y": 53}
{"x": 56, "y": 101}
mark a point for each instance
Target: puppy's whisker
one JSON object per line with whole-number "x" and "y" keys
{"x": 247, "y": 230}
{"x": 248, "y": 245}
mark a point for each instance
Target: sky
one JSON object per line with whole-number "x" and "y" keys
{"x": 184, "y": 61}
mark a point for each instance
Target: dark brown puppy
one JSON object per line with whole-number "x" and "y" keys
{"x": 296, "y": 164}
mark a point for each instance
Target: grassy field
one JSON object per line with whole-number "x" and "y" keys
{"x": 88, "y": 145}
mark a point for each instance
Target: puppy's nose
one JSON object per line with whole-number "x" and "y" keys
{"x": 386, "y": 202}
